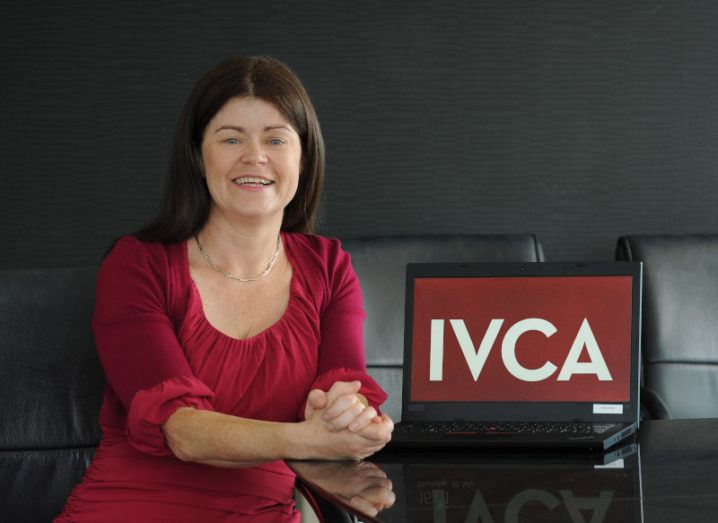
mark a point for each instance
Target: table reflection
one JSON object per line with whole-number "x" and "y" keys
{"x": 360, "y": 487}
{"x": 484, "y": 488}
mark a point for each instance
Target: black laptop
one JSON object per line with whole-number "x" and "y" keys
{"x": 521, "y": 355}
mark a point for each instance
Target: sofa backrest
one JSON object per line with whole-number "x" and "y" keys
{"x": 51, "y": 386}
{"x": 380, "y": 264}
{"x": 680, "y": 322}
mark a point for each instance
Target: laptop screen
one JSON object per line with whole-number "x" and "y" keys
{"x": 530, "y": 338}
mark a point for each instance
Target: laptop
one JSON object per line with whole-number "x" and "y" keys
{"x": 521, "y": 355}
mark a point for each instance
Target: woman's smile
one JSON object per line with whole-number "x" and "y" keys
{"x": 249, "y": 145}
{"x": 252, "y": 183}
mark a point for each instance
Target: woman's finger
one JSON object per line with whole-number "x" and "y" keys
{"x": 363, "y": 419}
{"x": 342, "y": 388}
{"x": 379, "y": 431}
{"x": 316, "y": 400}
{"x": 337, "y": 405}
{"x": 343, "y": 420}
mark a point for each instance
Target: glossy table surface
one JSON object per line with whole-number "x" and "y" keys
{"x": 667, "y": 473}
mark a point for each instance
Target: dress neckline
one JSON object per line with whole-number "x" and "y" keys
{"x": 199, "y": 306}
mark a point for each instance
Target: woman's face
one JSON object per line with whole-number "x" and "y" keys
{"x": 252, "y": 158}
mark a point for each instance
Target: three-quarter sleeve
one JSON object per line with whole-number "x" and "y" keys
{"x": 151, "y": 407}
{"x": 341, "y": 351}
{"x": 136, "y": 341}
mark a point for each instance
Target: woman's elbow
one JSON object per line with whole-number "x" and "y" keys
{"x": 178, "y": 431}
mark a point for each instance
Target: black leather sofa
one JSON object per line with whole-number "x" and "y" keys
{"x": 51, "y": 382}
{"x": 51, "y": 387}
{"x": 680, "y": 323}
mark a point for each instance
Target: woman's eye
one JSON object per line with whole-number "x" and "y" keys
{"x": 231, "y": 141}
{"x": 276, "y": 141}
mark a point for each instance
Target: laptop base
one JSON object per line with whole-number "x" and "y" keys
{"x": 449, "y": 439}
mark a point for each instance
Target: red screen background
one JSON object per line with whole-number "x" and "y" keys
{"x": 564, "y": 301}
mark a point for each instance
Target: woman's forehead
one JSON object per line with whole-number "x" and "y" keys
{"x": 249, "y": 113}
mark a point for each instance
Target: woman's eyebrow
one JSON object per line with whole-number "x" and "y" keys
{"x": 280, "y": 127}
{"x": 241, "y": 129}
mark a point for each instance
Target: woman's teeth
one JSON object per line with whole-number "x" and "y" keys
{"x": 250, "y": 180}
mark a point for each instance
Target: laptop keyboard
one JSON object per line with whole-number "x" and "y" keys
{"x": 468, "y": 427}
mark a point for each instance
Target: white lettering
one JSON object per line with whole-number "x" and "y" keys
{"x": 508, "y": 349}
{"x": 476, "y": 359}
{"x": 597, "y": 365}
{"x": 436, "y": 351}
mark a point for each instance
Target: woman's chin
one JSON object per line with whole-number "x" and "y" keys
{"x": 258, "y": 216}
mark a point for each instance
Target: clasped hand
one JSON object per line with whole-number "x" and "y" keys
{"x": 349, "y": 428}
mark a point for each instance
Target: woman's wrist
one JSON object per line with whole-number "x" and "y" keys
{"x": 298, "y": 438}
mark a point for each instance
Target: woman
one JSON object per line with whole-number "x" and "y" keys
{"x": 231, "y": 337}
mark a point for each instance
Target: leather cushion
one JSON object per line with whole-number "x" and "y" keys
{"x": 687, "y": 390}
{"x": 51, "y": 382}
{"x": 36, "y": 483}
{"x": 680, "y": 305}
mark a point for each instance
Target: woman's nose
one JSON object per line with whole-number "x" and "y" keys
{"x": 253, "y": 153}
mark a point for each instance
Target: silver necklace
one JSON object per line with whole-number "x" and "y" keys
{"x": 232, "y": 276}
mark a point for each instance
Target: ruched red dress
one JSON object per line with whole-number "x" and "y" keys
{"x": 159, "y": 352}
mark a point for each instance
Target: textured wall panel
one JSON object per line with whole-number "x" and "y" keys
{"x": 577, "y": 121}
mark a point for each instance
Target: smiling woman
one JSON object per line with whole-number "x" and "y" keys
{"x": 252, "y": 158}
{"x": 230, "y": 335}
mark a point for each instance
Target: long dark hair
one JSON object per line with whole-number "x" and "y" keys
{"x": 185, "y": 204}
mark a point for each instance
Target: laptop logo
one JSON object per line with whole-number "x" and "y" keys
{"x": 584, "y": 342}
{"x": 514, "y": 339}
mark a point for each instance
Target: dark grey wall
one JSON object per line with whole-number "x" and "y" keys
{"x": 578, "y": 121}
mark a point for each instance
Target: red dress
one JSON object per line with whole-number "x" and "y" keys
{"x": 159, "y": 352}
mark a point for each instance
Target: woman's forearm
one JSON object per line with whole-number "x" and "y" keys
{"x": 222, "y": 440}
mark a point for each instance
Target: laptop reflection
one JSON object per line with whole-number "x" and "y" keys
{"x": 487, "y": 488}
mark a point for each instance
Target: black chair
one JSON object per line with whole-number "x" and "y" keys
{"x": 680, "y": 323}
{"x": 380, "y": 264}
{"x": 51, "y": 387}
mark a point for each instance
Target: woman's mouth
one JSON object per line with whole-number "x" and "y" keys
{"x": 252, "y": 182}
